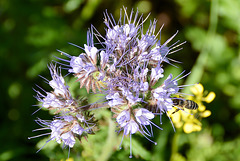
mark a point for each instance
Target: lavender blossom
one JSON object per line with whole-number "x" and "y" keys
{"x": 64, "y": 129}
{"x": 136, "y": 57}
{"x": 119, "y": 36}
{"x": 163, "y": 93}
{"x": 72, "y": 122}
{"x": 58, "y": 99}
{"x": 114, "y": 99}
{"x": 132, "y": 122}
{"x": 156, "y": 73}
{"x": 143, "y": 116}
{"x": 127, "y": 69}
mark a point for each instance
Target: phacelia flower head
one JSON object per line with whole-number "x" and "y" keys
{"x": 126, "y": 66}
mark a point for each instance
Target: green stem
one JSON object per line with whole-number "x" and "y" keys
{"x": 239, "y": 37}
{"x": 174, "y": 147}
{"x": 107, "y": 149}
{"x": 198, "y": 68}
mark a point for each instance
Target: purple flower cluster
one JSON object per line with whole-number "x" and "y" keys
{"x": 127, "y": 68}
{"x": 70, "y": 120}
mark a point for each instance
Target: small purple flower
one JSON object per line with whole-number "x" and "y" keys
{"x": 125, "y": 121}
{"x": 68, "y": 139}
{"x": 159, "y": 53}
{"x": 51, "y": 101}
{"x": 77, "y": 64}
{"x": 146, "y": 42}
{"x": 58, "y": 83}
{"x": 114, "y": 99}
{"x": 144, "y": 86}
{"x": 143, "y": 116}
{"x": 119, "y": 36}
{"x": 163, "y": 100}
{"x": 77, "y": 129}
{"x": 61, "y": 97}
{"x": 81, "y": 67}
{"x": 92, "y": 53}
{"x": 63, "y": 129}
{"x": 123, "y": 118}
{"x": 131, "y": 127}
{"x": 132, "y": 123}
{"x": 171, "y": 85}
{"x": 56, "y": 127}
{"x": 156, "y": 73}
{"x": 140, "y": 73}
{"x": 130, "y": 97}
{"x": 104, "y": 59}
{"x": 61, "y": 133}
{"x": 159, "y": 93}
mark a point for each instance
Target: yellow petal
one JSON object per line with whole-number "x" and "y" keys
{"x": 188, "y": 128}
{"x": 191, "y": 117}
{"x": 210, "y": 97}
{"x": 178, "y": 125}
{"x": 197, "y": 128}
{"x": 197, "y": 122}
{"x": 201, "y": 108}
{"x": 190, "y": 98}
{"x": 206, "y": 113}
{"x": 197, "y": 89}
{"x": 176, "y": 117}
{"x": 70, "y": 159}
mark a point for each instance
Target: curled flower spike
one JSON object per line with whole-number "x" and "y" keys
{"x": 72, "y": 122}
{"x": 60, "y": 99}
{"x": 64, "y": 129}
{"x": 85, "y": 67}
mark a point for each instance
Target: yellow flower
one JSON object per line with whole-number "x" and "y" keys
{"x": 69, "y": 159}
{"x": 189, "y": 120}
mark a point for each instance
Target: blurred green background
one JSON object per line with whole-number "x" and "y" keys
{"x": 32, "y": 30}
